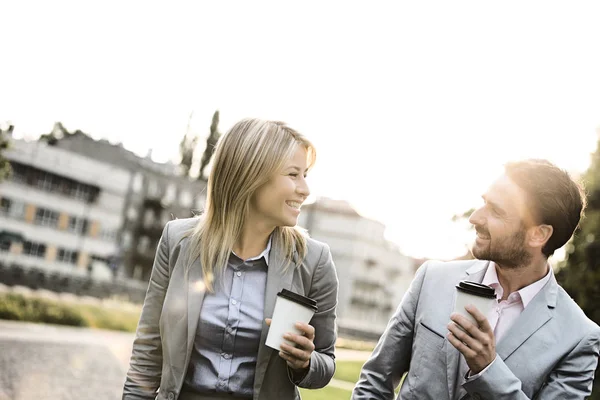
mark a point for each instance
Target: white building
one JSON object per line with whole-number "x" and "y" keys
{"x": 67, "y": 208}
{"x": 372, "y": 272}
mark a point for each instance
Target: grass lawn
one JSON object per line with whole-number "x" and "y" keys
{"x": 327, "y": 393}
{"x": 348, "y": 371}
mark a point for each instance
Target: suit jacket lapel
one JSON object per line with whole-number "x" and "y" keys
{"x": 475, "y": 274}
{"x": 537, "y": 313}
{"x": 277, "y": 279}
{"x": 195, "y": 296}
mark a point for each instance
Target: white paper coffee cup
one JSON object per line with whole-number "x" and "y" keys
{"x": 481, "y": 296}
{"x": 290, "y": 308}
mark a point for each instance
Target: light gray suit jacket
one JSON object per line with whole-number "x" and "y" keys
{"x": 169, "y": 319}
{"x": 551, "y": 351}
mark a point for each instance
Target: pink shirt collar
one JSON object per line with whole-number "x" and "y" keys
{"x": 527, "y": 293}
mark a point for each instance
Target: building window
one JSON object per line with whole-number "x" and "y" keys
{"x": 126, "y": 240}
{"x": 78, "y": 225}
{"x": 46, "y": 217}
{"x": 67, "y": 256}
{"x": 81, "y": 192}
{"x": 108, "y": 235}
{"x": 101, "y": 259}
{"x": 13, "y": 208}
{"x": 4, "y": 245}
{"x": 46, "y": 181}
{"x": 185, "y": 199}
{"x": 17, "y": 210}
{"x": 143, "y": 244}
{"x": 19, "y": 173}
{"x": 5, "y": 205}
{"x": 34, "y": 249}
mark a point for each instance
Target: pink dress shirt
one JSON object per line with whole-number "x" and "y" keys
{"x": 506, "y": 312}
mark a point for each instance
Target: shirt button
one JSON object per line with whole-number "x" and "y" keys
{"x": 238, "y": 273}
{"x": 171, "y": 396}
{"x": 234, "y": 302}
{"x": 226, "y": 356}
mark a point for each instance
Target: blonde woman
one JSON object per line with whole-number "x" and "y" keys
{"x": 215, "y": 279}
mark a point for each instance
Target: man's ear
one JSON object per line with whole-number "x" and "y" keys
{"x": 539, "y": 235}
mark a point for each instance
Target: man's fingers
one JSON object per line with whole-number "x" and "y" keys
{"x": 302, "y": 341}
{"x": 481, "y": 319}
{"x": 460, "y": 346}
{"x": 308, "y": 330}
{"x": 467, "y": 325}
{"x": 464, "y": 337}
{"x": 295, "y": 352}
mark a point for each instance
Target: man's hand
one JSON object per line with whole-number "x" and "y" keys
{"x": 477, "y": 344}
{"x": 298, "y": 356}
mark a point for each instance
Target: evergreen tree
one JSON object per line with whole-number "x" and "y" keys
{"x": 4, "y": 144}
{"x": 579, "y": 274}
{"x": 211, "y": 142}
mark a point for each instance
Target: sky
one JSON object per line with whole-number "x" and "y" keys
{"x": 413, "y": 106}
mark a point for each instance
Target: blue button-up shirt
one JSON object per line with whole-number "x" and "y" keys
{"x": 225, "y": 351}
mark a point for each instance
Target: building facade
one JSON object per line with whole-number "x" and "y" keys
{"x": 155, "y": 194}
{"x": 372, "y": 272}
{"x": 61, "y": 211}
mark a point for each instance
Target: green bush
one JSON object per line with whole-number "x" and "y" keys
{"x": 21, "y": 308}
{"x": 18, "y": 307}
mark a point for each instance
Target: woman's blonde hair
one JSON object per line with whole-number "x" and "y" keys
{"x": 246, "y": 158}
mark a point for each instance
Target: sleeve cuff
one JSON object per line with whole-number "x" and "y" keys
{"x": 469, "y": 377}
{"x": 297, "y": 377}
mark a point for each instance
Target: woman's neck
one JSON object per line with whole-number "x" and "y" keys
{"x": 252, "y": 241}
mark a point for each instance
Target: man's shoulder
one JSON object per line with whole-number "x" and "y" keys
{"x": 439, "y": 268}
{"x": 570, "y": 310}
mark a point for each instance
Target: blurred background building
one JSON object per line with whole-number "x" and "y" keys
{"x": 65, "y": 209}
{"x": 155, "y": 194}
{"x": 373, "y": 273}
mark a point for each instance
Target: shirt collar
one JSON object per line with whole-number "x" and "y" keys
{"x": 527, "y": 293}
{"x": 265, "y": 253}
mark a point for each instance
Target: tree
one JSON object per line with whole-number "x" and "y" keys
{"x": 211, "y": 142}
{"x": 186, "y": 150}
{"x": 466, "y": 215}
{"x": 4, "y": 145}
{"x": 579, "y": 274}
{"x": 58, "y": 132}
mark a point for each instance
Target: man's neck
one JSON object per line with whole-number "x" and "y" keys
{"x": 514, "y": 279}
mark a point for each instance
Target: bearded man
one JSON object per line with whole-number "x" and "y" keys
{"x": 535, "y": 342}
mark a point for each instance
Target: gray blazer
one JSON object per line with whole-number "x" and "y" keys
{"x": 169, "y": 319}
{"x": 550, "y": 353}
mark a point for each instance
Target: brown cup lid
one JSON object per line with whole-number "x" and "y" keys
{"x": 299, "y": 299}
{"x": 476, "y": 289}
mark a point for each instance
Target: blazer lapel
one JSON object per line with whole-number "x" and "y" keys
{"x": 277, "y": 279}
{"x": 195, "y": 296}
{"x": 537, "y": 313}
{"x": 475, "y": 274}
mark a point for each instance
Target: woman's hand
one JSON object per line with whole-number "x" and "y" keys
{"x": 298, "y": 356}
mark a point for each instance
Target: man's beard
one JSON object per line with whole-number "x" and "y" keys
{"x": 508, "y": 251}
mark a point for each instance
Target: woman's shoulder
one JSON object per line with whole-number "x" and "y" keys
{"x": 178, "y": 228}
{"x": 316, "y": 250}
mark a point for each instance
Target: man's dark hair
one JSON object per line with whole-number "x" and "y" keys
{"x": 554, "y": 198}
